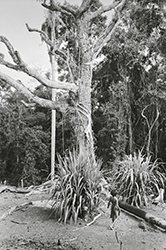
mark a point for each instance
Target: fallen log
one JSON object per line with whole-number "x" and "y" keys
{"x": 144, "y": 215}
{"x": 44, "y": 187}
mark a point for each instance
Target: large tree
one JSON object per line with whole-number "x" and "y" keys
{"x": 89, "y": 44}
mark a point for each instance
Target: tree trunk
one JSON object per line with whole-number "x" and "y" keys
{"x": 129, "y": 120}
{"x": 85, "y": 138}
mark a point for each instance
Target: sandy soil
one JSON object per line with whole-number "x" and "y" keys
{"x": 30, "y": 228}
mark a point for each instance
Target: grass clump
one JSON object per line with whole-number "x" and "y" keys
{"x": 77, "y": 189}
{"x": 137, "y": 177}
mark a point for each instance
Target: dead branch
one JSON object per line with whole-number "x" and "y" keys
{"x": 95, "y": 218}
{"x": 107, "y": 34}
{"x": 53, "y": 48}
{"x": 43, "y": 35}
{"x": 9, "y": 47}
{"x": 26, "y": 92}
{"x": 28, "y": 105}
{"x": 90, "y": 223}
{"x": 17, "y": 222}
{"x": 46, "y": 186}
{"x": 13, "y": 209}
{"x": 9, "y": 65}
{"x": 6, "y": 188}
{"x": 105, "y": 38}
{"x": 22, "y": 66}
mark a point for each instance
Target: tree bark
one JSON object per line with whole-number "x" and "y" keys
{"x": 85, "y": 138}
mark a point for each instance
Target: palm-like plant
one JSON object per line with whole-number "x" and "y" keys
{"x": 136, "y": 177}
{"x": 77, "y": 189}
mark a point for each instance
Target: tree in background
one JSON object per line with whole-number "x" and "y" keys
{"x": 25, "y": 141}
{"x": 129, "y": 85}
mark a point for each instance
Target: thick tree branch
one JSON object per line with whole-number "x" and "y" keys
{"x": 105, "y": 38}
{"x": 21, "y": 66}
{"x": 9, "y": 65}
{"x": 27, "y": 93}
{"x": 106, "y": 35}
{"x": 10, "y": 48}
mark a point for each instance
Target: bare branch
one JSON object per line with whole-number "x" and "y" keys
{"x": 21, "y": 66}
{"x": 105, "y": 38}
{"x": 9, "y": 65}
{"x": 28, "y": 105}
{"x": 9, "y": 47}
{"x": 42, "y": 33}
{"x": 106, "y": 35}
{"x": 48, "y": 42}
{"x": 26, "y": 92}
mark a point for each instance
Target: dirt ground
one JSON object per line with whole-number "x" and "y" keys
{"x": 31, "y": 228}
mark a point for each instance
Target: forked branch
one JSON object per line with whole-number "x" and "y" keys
{"x": 115, "y": 21}
{"x": 150, "y": 128}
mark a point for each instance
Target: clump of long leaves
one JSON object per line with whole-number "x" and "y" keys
{"x": 77, "y": 189}
{"x": 137, "y": 177}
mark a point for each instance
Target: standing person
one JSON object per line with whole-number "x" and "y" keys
{"x": 115, "y": 209}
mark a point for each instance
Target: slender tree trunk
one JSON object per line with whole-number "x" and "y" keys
{"x": 54, "y": 73}
{"x": 53, "y": 123}
{"x": 156, "y": 134}
{"x": 130, "y": 132}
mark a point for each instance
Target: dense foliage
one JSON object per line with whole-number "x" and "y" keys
{"x": 24, "y": 142}
{"x": 129, "y": 86}
{"x": 25, "y": 138}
